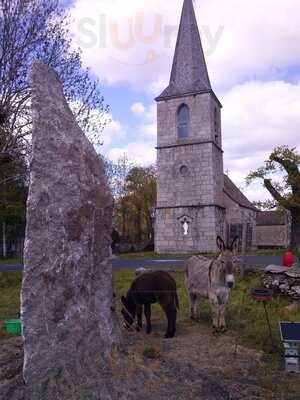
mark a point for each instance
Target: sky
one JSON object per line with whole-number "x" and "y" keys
{"x": 253, "y": 58}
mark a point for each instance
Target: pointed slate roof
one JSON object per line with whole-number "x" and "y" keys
{"x": 236, "y": 195}
{"x": 189, "y": 72}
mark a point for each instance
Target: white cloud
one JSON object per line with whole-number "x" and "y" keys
{"x": 113, "y": 133}
{"x": 148, "y": 117}
{"x": 257, "y": 117}
{"x": 134, "y": 41}
{"x": 141, "y": 153}
{"x": 138, "y": 108}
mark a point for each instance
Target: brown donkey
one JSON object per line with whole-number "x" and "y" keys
{"x": 146, "y": 289}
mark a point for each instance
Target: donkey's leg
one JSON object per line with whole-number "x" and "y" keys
{"x": 198, "y": 307}
{"x": 214, "y": 305}
{"x": 222, "y": 318}
{"x": 171, "y": 317}
{"x": 147, "y": 311}
{"x": 139, "y": 313}
{"x": 193, "y": 298}
{"x": 173, "y": 314}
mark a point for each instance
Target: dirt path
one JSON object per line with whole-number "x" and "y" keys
{"x": 194, "y": 365}
{"x": 199, "y": 365}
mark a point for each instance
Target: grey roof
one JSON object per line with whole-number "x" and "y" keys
{"x": 189, "y": 72}
{"x": 271, "y": 218}
{"x": 236, "y": 195}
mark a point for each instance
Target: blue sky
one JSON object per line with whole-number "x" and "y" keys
{"x": 253, "y": 61}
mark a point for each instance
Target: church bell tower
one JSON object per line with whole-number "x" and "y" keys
{"x": 190, "y": 211}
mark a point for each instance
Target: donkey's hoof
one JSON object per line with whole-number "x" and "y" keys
{"x": 223, "y": 329}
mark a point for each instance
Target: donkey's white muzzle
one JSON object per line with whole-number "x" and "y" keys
{"x": 230, "y": 281}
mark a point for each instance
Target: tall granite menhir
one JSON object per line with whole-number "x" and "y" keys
{"x": 70, "y": 329}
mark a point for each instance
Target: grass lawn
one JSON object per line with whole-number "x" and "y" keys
{"x": 10, "y": 285}
{"x": 245, "y": 317}
{"x": 153, "y": 255}
{"x": 14, "y": 260}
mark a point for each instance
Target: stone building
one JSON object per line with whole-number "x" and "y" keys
{"x": 196, "y": 201}
{"x": 273, "y": 229}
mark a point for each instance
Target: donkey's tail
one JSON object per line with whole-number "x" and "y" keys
{"x": 176, "y": 300}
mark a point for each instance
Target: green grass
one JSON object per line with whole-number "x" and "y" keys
{"x": 269, "y": 252}
{"x": 245, "y": 316}
{"x": 11, "y": 260}
{"x": 147, "y": 254}
{"x": 153, "y": 255}
{"x": 10, "y": 285}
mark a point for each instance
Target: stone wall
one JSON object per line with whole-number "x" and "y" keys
{"x": 201, "y": 184}
{"x": 190, "y": 177}
{"x": 286, "y": 281}
{"x": 201, "y": 115}
{"x": 205, "y": 223}
{"x": 273, "y": 236}
{"x": 235, "y": 214}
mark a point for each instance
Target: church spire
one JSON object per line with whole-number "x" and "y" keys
{"x": 189, "y": 72}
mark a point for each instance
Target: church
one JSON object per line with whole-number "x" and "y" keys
{"x": 195, "y": 200}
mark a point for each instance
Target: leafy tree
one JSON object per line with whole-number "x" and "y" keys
{"x": 281, "y": 177}
{"x": 38, "y": 29}
{"x": 134, "y": 191}
{"x": 117, "y": 173}
{"x": 13, "y": 184}
{"x": 141, "y": 195}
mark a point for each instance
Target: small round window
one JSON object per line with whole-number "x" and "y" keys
{"x": 184, "y": 171}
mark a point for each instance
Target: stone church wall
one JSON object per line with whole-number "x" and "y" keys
{"x": 196, "y": 185}
{"x": 205, "y": 223}
{"x": 237, "y": 215}
{"x": 200, "y": 108}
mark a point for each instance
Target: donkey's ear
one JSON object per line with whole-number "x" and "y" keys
{"x": 234, "y": 244}
{"x": 123, "y": 300}
{"x": 221, "y": 244}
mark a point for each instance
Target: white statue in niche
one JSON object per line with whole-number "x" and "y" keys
{"x": 185, "y": 225}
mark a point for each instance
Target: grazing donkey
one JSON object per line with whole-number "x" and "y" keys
{"x": 212, "y": 279}
{"x": 146, "y": 289}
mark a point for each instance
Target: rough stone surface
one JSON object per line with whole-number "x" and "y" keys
{"x": 283, "y": 280}
{"x": 71, "y": 333}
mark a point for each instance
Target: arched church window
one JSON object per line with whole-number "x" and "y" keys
{"x": 183, "y": 121}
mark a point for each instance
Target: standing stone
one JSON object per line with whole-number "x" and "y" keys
{"x": 70, "y": 330}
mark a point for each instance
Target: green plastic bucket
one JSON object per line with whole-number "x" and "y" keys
{"x": 13, "y": 326}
